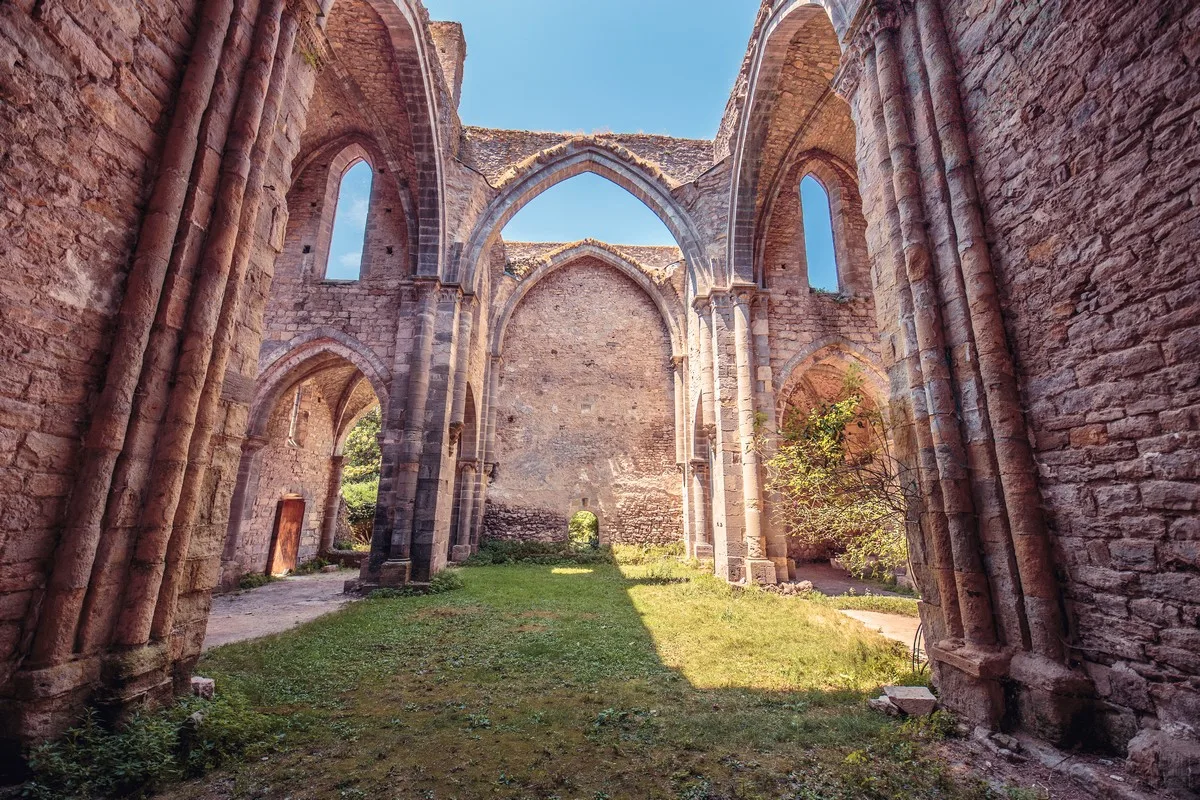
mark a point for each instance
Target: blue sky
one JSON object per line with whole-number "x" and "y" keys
{"x": 626, "y": 66}
{"x": 350, "y": 223}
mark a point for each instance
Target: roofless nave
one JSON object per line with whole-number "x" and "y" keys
{"x": 1012, "y": 192}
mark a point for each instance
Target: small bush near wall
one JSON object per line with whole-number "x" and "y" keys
{"x": 360, "y": 499}
{"x": 583, "y": 531}
{"x": 149, "y": 751}
{"x": 840, "y": 486}
{"x": 494, "y": 551}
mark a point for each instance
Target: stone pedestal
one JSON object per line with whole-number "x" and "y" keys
{"x": 761, "y": 571}
{"x": 703, "y": 552}
{"x": 460, "y": 553}
{"x": 395, "y": 573}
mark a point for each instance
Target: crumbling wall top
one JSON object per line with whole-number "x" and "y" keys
{"x": 495, "y": 152}
{"x": 659, "y": 263}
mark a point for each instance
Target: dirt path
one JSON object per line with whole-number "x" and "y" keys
{"x": 275, "y": 607}
{"x": 830, "y": 580}
{"x": 890, "y": 626}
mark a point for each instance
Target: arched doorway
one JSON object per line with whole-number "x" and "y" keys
{"x": 285, "y": 508}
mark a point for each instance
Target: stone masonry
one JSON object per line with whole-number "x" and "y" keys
{"x": 1014, "y": 203}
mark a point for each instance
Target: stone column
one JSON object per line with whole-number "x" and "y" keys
{"x": 759, "y": 569}
{"x": 390, "y": 563}
{"x": 435, "y": 478}
{"x": 466, "y": 512}
{"x": 700, "y": 547}
{"x": 245, "y": 492}
{"x": 462, "y": 362}
{"x": 333, "y": 501}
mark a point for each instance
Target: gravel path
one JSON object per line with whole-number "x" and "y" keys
{"x": 275, "y": 607}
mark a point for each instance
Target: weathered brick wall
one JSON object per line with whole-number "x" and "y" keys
{"x": 586, "y": 411}
{"x": 301, "y": 299}
{"x": 1084, "y": 128}
{"x": 85, "y": 96}
{"x": 287, "y": 468}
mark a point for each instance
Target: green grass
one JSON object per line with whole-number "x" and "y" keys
{"x": 646, "y": 680}
{"x": 886, "y": 604}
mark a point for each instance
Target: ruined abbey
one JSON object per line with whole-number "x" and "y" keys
{"x": 1014, "y": 190}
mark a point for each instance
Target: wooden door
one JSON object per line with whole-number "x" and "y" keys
{"x": 285, "y": 543}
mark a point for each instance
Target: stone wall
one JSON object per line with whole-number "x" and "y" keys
{"x": 291, "y": 468}
{"x": 1083, "y": 121}
{"x": 84, "y": 99}
{"x": 585, "y": 411}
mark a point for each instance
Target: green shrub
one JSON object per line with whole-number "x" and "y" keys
{"x": 253, "y": 580}
{"x": 583, "y": 531}
{"x": 311, "y": 566}
{"x": 362, "y": 454}
{"x": 360, "y": 499}
{"x": 152, "y": 749}
{"x": 637, "y": 554}
{"x": 389, "y": 593}
{"x": 492, "y": 551}
{"x": 839, "y": 485}
{"x": 446, "y": 581}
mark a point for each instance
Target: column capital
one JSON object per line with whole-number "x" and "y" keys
{"x": 744, "y": 293}
{"x": 252, "y": 444}
{"x": 677, "y": 362}
{"x": 468, "y": 465}
{"x": 447, "y": 292}
{"x": 702, "y": 302}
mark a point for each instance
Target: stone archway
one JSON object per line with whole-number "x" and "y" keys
{"x": 308, "y": 398}
{"x": 573, "y": 157}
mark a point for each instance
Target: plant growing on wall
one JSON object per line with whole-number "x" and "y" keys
{"x": 839, "y": 484}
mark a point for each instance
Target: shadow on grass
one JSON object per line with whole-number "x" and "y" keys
{"x": 540, "y": 681}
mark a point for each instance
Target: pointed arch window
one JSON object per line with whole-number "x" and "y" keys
{"x": 818, "y": 235}
{"x": 350, "y": 223}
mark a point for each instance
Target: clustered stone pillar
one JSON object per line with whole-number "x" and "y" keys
{"x": 109, "y": 610}
{"x": 975, "y": 477}
{"x": 759, "y": 569}
{"x": 701, "y": 542}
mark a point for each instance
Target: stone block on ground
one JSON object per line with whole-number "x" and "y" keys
{"x": 204, "y": 687}
{"x": 884, "y": 706}
{"x": 916, "y": 701}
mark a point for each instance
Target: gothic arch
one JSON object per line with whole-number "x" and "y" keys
{"x": 785, "y": 21}
{"x": 820, "y": 351}
{"x": 574, "y": 157}
{"x": 841, "y": 186}
{"x": 414, "y": 59}
{"x": 304, "y": 355}
{"x": 670, "y": 317}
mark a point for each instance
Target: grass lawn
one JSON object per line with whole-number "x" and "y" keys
{"x": 637, "y": 681}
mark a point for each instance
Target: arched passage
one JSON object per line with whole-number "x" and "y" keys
{"x": 286, "y": 499}
{"x": 564, "y": 161}
{"x": 585, "y": 405}
{"x": 830, "y": 371}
